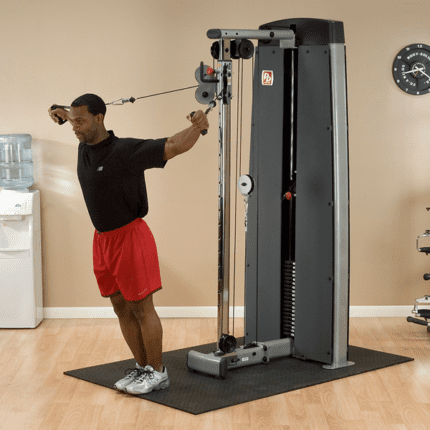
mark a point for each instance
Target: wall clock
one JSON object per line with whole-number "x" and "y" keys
{"x": 411, "y": 69}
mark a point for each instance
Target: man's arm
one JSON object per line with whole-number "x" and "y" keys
{"x": 184, "y": 140}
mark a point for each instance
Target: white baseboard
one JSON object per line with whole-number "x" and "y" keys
{"x": 380, "y": 311}
{"x": 163, "y": 312}
{"x": 211, "y": 312}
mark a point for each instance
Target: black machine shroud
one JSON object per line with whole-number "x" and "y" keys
{"x": 290, "y": 243}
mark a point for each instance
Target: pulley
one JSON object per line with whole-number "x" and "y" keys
{"x": 205, "y": 93}
{"x": 215, "y": 50}
{"x": 246, "y": 185}
{"x": 242, "y": 48}
{"x": 227, "y": 343}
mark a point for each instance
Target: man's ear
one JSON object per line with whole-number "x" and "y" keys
{"x": 99, "y": 118}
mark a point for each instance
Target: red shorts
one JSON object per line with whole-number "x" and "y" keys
{"x": 126, "y": 260}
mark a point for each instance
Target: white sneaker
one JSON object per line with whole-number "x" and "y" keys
{"x": 149, "y": 380}
{"x": 124, "y": 382}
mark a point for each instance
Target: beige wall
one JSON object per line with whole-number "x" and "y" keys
{"x": 52, "y": 52}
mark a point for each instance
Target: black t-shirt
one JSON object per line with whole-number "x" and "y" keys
{"x": 112, "y": 178}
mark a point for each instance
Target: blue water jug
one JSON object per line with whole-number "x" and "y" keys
{"x": 16, "y": 163}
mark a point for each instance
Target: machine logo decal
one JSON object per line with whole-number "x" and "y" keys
{"x": 267, "y": 77}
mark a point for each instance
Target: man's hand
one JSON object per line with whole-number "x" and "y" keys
{"x": 199, "y": 120}
{"x": 58, "y": 113}
{"x": 183, "y": 141}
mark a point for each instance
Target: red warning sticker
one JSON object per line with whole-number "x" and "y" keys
{"x": 267, "y": 77}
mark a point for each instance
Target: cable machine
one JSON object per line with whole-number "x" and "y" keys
{"x": 297, "y": 194}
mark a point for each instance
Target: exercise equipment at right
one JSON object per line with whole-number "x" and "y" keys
{"x": 422, "y": 305}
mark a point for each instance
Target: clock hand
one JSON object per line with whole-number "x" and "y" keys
{"x": 425, "y": 74}
{"x": 411, "y": 71}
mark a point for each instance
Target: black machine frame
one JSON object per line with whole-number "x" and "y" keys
{"x": 297, "y": 238}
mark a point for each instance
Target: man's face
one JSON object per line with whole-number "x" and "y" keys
{"x": 84, "y": 124}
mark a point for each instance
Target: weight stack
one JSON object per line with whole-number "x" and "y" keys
{"x": 288, "y": 298}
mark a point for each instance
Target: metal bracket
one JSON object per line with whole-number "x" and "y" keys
{"x": 202, "y": 78}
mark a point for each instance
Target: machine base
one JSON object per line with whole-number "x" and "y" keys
{"x": 218, "y": 363}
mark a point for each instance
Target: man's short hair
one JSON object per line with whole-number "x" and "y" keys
{"x": 94, "y": 104}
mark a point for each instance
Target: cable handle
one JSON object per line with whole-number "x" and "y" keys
{"x": 203, "y": 132}
{"x": 212, "y": 104}
{"x": 61, "y": 120}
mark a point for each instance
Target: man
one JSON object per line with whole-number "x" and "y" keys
{"x": 111, "y": 174}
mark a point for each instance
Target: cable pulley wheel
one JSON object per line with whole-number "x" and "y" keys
{"x": 227, "y": 343}
{"x": 215, "y": 50}
{"x": 245, "y": 49}
{"x": 205, "y": 93}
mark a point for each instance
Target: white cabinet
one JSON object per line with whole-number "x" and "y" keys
{"x": 21, "y": 303}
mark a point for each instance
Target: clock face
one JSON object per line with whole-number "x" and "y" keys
{"x": 411, "y": 69}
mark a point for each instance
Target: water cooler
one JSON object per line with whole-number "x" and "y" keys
{"x": 21, "y": 304}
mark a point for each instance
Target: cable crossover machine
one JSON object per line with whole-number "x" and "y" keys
{"x": 297, "y": 192}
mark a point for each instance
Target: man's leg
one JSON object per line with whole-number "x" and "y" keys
{"x": 130, "y": 327}
{"x": 156, "y": 378}
{"x": 151, "y": 331}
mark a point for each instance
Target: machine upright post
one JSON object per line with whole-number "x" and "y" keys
{"x": 224, "y": 88}
{"x": 341, "y": 208}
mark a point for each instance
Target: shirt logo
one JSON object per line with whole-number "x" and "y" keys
{"x": 100, "y": 169}
{"x": 267, "y": 77}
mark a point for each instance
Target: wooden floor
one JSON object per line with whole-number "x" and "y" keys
{"x": 34, "y": 393}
